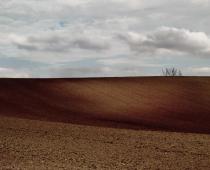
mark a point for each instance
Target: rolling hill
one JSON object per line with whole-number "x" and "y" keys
{"x": 166, "y": 103}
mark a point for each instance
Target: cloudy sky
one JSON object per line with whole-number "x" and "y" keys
{"x": 85, "y": 38}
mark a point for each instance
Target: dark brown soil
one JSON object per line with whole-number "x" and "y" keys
{"x": 167, "y": 103}
{"x": 114, "y": 107}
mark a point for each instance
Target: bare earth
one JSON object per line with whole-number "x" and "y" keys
{"x": 166, "y": 103}
{"x": 33, "y": 144}
{"x": 105, "y": 123}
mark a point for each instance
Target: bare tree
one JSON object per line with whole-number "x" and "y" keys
{"x": 171, "y": 72}
{"x": 180, "y": 73}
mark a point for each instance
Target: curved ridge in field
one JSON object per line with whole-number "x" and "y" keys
{"x": 168, "y": 103}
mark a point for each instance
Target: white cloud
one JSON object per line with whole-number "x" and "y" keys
{"x": 169, "y": 39}
{"x": 87, "y": 71}
{"x": 200, "y": 2}
{"x": 54, "y": 32}
{"x": 127, "y": 62}
{"x": 200, "y": 70}
{"x": 59, "y": 42}
{"x": 12, "y": 73}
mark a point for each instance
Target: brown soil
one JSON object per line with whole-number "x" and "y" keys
{"x": 167, "y": 103}
{"x": 31, "y": 144}
{"x": 114, "y": 107}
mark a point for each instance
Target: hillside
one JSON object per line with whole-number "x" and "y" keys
{"x": 167, "y": 103}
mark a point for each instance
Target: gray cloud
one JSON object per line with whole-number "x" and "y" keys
{"x": 36, "y": 34}
{"x": 60, "y": 43}
{"x": 169, "y": 39}
{"x": 87, "y": 71}
{"x": 204, "y": 71}
{"x": 96, "y": 71}
{"x": 14, "y": 73}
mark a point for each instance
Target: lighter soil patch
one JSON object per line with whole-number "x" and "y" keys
{"x": 30, "y": 144}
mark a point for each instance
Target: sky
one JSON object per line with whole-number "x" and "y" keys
{"x": 103, "y": 38}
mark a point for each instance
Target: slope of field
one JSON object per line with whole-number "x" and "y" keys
{"x": 33, "y": 144}
{"x": 169, "y": 103}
